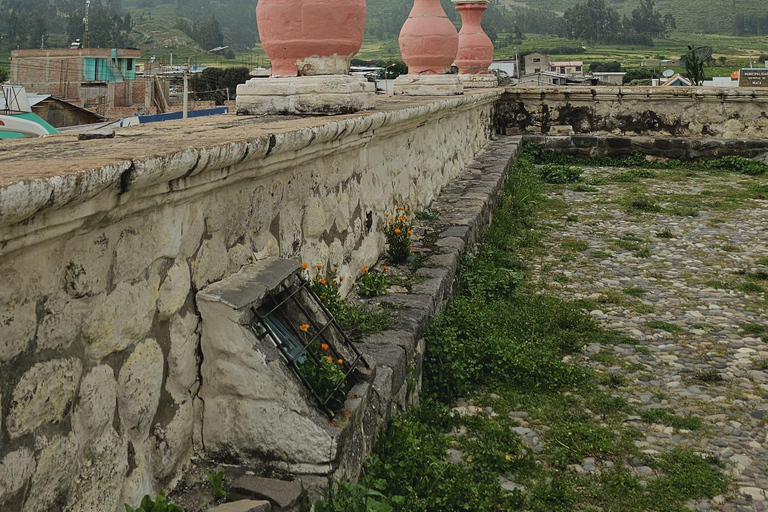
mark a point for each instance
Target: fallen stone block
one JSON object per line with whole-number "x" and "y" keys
{"x": 280, "y": 494}
{"x": 243, "y": 506}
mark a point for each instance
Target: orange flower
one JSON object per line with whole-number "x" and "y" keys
{"x": 401, "y": 219}
{"x": 410, "y": 232}
{"x": 322, "y": 281}
{"x": 340, "y": 361}
{"x": 397, "y": 231}
{"x": 386, "y": 214}
{"x": 385, "y": 267}
{"x": 319, "y": 266}
{"x": 364, "y": 270}
{"x": 304, "y": 327}
{"x": 305, "y": 265}
{"x": 324, "y": 346}
{"x": 329, "y": 359}
{"x": 341, "y": 278}
{"x": 399, "y": 208}
{"x": 406, "y": 208}
{"x": 314, "y": 278}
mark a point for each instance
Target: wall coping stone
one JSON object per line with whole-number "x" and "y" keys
{"x": 177, "y": 159}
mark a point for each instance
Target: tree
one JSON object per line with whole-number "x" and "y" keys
{"x": 694, "y": 66}
{"x": 592, "y": 21}
{"x": 4, "y": 75}
{"x": 669, "y": 24}
{"x": 646, "y": 19}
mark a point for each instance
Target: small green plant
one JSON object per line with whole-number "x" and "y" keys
{"x": 585, "y": 188}
{"x": 398, "y": 232}
{"x": 642, "y": 204}
{"x": 357, "y": 320}
{"x": 573, "y": 244}
{"x": 216, "y": 480}
{"x": 601, "y": 254}
{"x": 750, "y": 287}
{"x": 324, "y": 371}
{"x": 160, "y": 504}
{"x": 349, "y": 497}
{"x": 372, "y": 283}
{"x": 560, "y": 174}
{"x": 665, "y": 233}
{"x": 428, "y": 214}
{"x": 634, "y": 291}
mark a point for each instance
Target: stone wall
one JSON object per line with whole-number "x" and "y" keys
{"x": 104, "y": 244}
{"x": 676, "y": 111}
{"x": 679, "y": 148}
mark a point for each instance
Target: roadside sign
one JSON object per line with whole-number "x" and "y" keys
{"x": 753, "y": 77}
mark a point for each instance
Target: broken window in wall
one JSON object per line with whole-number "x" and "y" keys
{"x": 294, "y": 319}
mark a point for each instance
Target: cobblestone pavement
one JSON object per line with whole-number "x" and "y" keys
{"x": 679, "y": 263}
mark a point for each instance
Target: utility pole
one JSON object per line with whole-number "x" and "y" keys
{"x": 186, "y": 91}
{"x": 85, "y": 21}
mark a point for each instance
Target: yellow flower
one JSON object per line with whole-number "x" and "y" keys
{"x": 364, "y": 270}
{"x": 506, "y": 456}
{"x": 397, "y": 231}
{"x": 329, "y": 359}
{"x": 324, "y": 346}
{"x": 305, "y": 265}
{"x": 304, "y": 327}
{"x": 340, "y": 361}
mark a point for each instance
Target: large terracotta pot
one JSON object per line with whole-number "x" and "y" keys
{"x": 475, "y": 52}
{"x": 428, "y": 39}
{"x": 310, "y": 37}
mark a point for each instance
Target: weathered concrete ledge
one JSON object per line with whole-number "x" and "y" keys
{"x": 129, "y": 173}
{"x": 677, "y": 111}
{"x": 681, "y": 148}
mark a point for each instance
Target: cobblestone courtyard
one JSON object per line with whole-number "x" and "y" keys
{"x": 680, "y": 263}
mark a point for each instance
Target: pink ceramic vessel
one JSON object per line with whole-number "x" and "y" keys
{"x": 428, "y": 39}
{"x": 475, "y": 51}
{"x": 310, "y": 37}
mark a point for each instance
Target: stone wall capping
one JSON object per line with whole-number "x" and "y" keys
{"x": 36, "y": 182}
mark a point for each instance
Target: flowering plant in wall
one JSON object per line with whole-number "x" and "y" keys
{"x": 398, "y": 231}
{"x": 324, "y": 370}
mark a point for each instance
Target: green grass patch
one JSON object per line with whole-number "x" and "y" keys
{"x": 634, "y": 291}
{"x": 574, "y": 244}
{"x": 666, "y": 417}
{"x": 601, "y": 254}
{"x": 666, "y": 326}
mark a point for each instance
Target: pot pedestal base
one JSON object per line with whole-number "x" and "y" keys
{"x": 428, "y": 85}
{"x": 479, "y": 81}
{"x": 306, "y": 95}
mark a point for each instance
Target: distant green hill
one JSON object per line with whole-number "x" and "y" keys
{"x": 692, "y": 16}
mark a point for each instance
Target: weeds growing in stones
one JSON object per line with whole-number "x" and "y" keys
{"x": 666, "y": 326}
{"x": 398, "y": 231}
{"x": 666, "y": 417}
{"x": 560, "y": 174}
{"x": 372, "y": 283}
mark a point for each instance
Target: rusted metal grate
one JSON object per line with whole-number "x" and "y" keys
{"x": 306, "y": 334}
